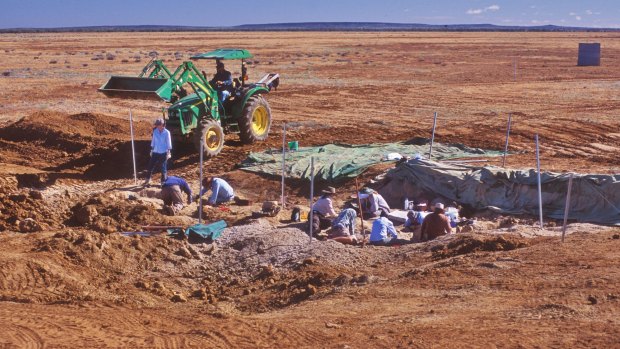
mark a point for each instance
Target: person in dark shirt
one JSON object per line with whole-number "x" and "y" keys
{"x": 435, "y": 224}
{"x": 171, "y": 194}
{"x": 222, "y": 81}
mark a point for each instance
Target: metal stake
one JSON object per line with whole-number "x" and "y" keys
{"x": 540, "y": 210}
{"x": 430, "y": 151}
{"x": 359, "y": 203}
{"x": 566, "y": 208}
{"x": 133, "y": 149}
{"x": 507, "y": 135}
{"x": 310, "y": 216}
{"x": 200, "y": 186}
{"x": 283, "y": 163}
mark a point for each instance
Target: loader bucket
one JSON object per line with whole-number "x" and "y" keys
{"x": 138, "y": 88}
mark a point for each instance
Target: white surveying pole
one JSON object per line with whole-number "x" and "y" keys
{"x": 283, "y": 163}
{"x": 540, "y": 210}
{"x": 430, "y": 151}
{"x": 310, "y": 216}
{"x": 567, "y": 207}
{"x": 202, "y": 145}
{"x": 133, "y": 149}
{"x": 507, "y": 135}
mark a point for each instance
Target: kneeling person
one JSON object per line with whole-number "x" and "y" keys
{"x": 381, "y": 228}
{"x": 171, "y": 194}
{"x": 221, "y": 191}
{"x": 343, "y": 227}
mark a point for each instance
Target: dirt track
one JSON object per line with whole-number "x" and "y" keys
{"x": 63, "y": 146}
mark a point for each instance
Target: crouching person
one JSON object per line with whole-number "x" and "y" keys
{"x": 343, "y": 227}
{"x": 221, "y": 191}
{"x": 171, "y": 194}
{"x": 384, "y": 234}
{"x": 323, "y": 211}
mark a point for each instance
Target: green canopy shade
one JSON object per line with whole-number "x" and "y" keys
{"x": 224, "y": 53}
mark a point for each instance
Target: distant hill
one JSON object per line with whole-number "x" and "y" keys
{"x": 313, "y": 26}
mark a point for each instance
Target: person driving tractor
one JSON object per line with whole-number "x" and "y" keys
{"x": 222, "y": 81}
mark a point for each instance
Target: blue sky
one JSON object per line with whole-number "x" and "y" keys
{"x": 69, "y": 13}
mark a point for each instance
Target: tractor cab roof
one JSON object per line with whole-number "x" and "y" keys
{"x": 224, "y": 53}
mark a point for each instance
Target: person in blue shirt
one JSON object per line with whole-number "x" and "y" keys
{"x": 171, "y": 194}
{"x": 383, "y": 233}
{"x": 222, "y": 81}
{"x": 221, "y": 191}
{"x": 343, "y": 227}
{"x": 161, "y": 144}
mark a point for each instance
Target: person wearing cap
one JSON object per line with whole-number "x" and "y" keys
{"x": 435, "y": 224}
{"x": 414, "y": 221}
{"x": 221, "y": 191}
{"x": 161, "y": 144}
{"x": 373, "y": 204}
{"x": 323, "y": 211}
{"x": 171, "y": 194}
{"x": 222, "y": 81}
{"x": 343, "y": 227}
{"x": 383, "y": 233}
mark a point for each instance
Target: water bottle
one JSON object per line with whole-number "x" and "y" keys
{"x": 406, "y": 204}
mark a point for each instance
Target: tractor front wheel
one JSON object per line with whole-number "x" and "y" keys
{"x": 255, "y": 121}
{"x": 210, "y": 134}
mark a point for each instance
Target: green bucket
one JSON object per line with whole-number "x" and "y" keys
{"x": 294, "y": 145}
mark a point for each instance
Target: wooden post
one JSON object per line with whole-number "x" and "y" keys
{"x": 567, "y": 207}
{"x": 359, "y": 203}
{"x": 200, "y": 185}
{"x": 506, "y": 145}
{"x": 514, "y": 63}
{"x": 540, "y": 210}
{"x": 310, "y": 216}
{"x": 283, "y": 163}
{"x": 430, "y": 151}
{"x": 133, "y": 149}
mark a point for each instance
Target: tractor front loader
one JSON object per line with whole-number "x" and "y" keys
{"x": 198, "y": 115}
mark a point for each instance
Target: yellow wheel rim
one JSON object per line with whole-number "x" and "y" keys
{"x": 260, "y": 120}
{"x": 212, "y": 139}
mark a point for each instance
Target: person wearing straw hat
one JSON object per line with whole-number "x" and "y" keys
{"x": 161, "y": 144}
{"x": 323, "y": 211}
{"x": 436, "y": 224}
{"x": 373, "y": 204}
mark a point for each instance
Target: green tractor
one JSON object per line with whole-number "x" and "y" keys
{"x": 200, "y": 116}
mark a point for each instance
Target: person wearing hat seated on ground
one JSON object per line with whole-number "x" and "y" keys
{"x": 161, "y": 144}
{"x": 383, "y": 233}
{"x": 343, "y": 227}
{"x": 414, "y": 221}
{"x": 435, "y": 224}
{"x": 323, "y": 211}
{"x": 171, "y": 194}
{"x": 221, "y": 191}
{"x": 373, "y": 204}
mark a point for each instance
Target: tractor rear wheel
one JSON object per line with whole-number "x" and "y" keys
{"x": 210, "y": 134}
{"x": 255, "y": 120}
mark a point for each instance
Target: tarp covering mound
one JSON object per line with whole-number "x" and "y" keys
{"x": 594, "y": 198}
{"x": 340, "y": 161}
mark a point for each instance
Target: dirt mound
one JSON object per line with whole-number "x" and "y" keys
{"x": 25, "y": 211}
{"x": 470, "y": 243}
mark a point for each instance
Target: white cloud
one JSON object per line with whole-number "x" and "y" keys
{"x": 478, "y": 11}
{"x": 572, "y": 14}
{"x": 589, "y": 12}
{"x": 578, "y": 18}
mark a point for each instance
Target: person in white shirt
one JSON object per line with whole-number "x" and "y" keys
{"x": 323, "y": 211}
{"x": 161, "y": 144}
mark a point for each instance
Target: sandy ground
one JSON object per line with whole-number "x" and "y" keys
{"x": 66, "y": 175}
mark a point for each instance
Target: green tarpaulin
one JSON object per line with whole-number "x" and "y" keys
{"x": 340, "y": 161}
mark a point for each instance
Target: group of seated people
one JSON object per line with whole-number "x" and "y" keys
{"x": 425, "y": 225}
